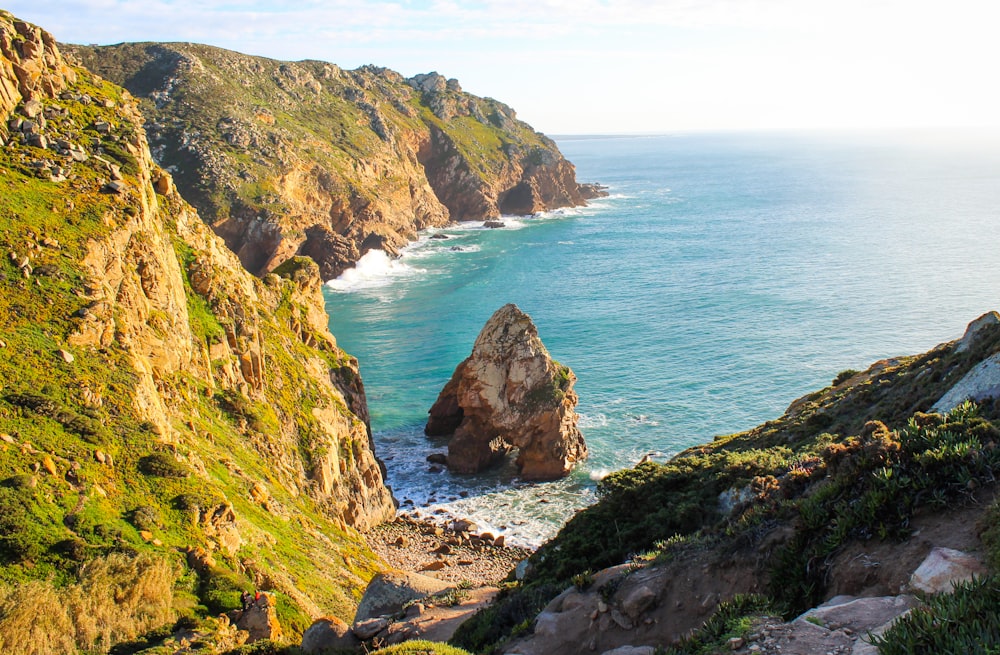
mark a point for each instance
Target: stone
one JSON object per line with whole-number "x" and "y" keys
{"x": 436, "y": 565}
{"x": 114, "y": 186}
{"x": 638, "y": 601}
{"x": 32, "y": 108}
{"x": 509, "y": 394}
{"x": 979, "y": 384}
{"x": 328, "y": 634}
{"x": 365, "y": 630}
{"x": 261, "y": 620}
{"x": 67, "y": 356}
{"x": 943, "y": 568}
{"x": 464, "y": 525}
{"x": 859, "y": 615}
{"x": 164, "y": 184}
{"x": 630, "y": 650}
{"x": 437, "y": 458}
{"x": 389, "y": 591}
{"x": 973, "y": 330}
{"x": 49, "y": 465}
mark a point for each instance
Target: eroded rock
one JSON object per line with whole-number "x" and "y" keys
{"x": 510, "y": 394}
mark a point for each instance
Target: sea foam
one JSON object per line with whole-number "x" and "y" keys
{"x": 374, "y": 269}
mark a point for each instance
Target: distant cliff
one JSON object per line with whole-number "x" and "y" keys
{"x": 159, "y": 406}
{"x": 305, "y": 158}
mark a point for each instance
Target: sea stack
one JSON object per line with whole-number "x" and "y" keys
{"x": 509, "y": 394}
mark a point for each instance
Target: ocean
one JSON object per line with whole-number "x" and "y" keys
{"x": 725, "y": 276}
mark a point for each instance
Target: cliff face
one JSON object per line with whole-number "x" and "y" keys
{"x": 154, "y": 396}
{"x": 305, "y": 158}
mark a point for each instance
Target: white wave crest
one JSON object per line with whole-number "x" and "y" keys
{"x": 375, "y": 269}
{"x": 592, "y": 421}
{"x": 599, "y": 474}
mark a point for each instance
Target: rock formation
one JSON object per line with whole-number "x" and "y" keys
{"x": 287, "y": 158}
{"x": 148, "y": 376}
{"x": 509, "y": 394}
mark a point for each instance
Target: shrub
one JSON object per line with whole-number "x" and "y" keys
{"x": 965, "y": 621}
{"x": 21, "y": 536}
{"x": 421, "y": 648}
{"x": 115, "y": 599}
{"x": 221, "y": 589}
{"x": 731, "y": 619}
{"x": 162, "y": 465}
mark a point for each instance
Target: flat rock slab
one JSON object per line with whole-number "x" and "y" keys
{"x": 860, "y": 615}
{"x": 943, "y": 568}
{"x": 388, "y": 591}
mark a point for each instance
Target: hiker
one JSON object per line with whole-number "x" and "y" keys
{"x": 245, "y": 600}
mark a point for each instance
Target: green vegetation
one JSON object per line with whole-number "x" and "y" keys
{"x": 733, "y": 618}
{"x": 965, "y": 621}
{"x": 421, "y": 648}
{"x": 110, "y": 474}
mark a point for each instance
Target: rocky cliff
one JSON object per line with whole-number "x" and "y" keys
{"x": 509, "y": 394}
{"x": 305, "y": 158}
{"x": 155, "y": 398}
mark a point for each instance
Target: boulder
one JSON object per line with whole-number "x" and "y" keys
{"x": 388, "y": 591}
{"x": 943, "y": 568}
{"x": 365, "y": 630}
{"x": 328, "y": 634}
{"x": 260, "y": 619}
{"x": 509, "y": 394}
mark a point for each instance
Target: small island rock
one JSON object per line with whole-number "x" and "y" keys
{"x": 510, "y": 394}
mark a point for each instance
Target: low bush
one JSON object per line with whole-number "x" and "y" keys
{"x": 163, "y": 465}
{"x": 966, "y": 621}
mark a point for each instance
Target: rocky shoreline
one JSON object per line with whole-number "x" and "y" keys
{"x": 446, "y": 553}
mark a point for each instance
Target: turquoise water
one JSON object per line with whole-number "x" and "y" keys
{"x": 724, "y": 277}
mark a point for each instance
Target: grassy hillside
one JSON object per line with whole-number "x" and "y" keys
{"x": 173, "y": 431}
{"x": 286, "y": 158}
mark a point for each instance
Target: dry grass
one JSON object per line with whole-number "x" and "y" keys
{"x": 117, "y": 598}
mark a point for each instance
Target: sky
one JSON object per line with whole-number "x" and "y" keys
{"x": 615, "y": 66}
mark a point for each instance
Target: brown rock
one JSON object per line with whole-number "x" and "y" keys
{"x": 436, "y": 565}
{"x": 261, "y": 620}
{"x": 510, "y": 395}
{"x": 328, "y": 634}
{"x": 49, "y": 465}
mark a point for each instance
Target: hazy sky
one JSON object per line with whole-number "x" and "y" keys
{"x": 599, "y": 66}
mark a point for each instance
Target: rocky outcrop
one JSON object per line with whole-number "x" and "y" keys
{"x": 510, "y": 394}
{"x": 193, "y": 406}
{"x": 982, "y": 383}
{"x": 260, "y": 620}
{"x": 31, "y": 67}
{"x": 305, "y": 158}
